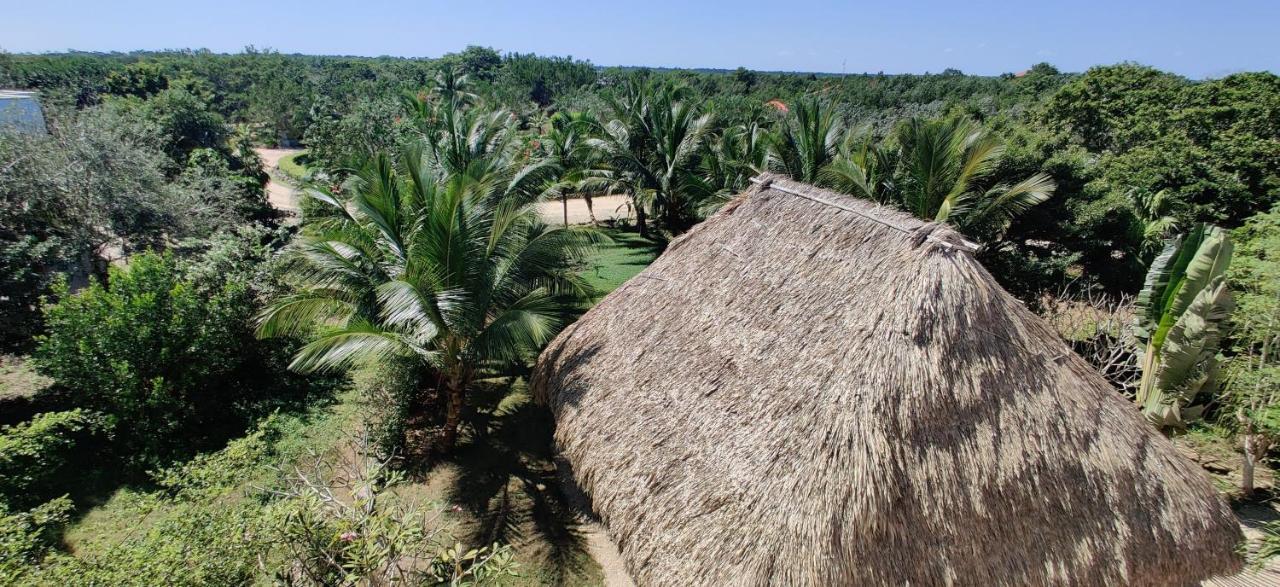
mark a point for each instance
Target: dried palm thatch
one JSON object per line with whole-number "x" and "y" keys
{"x": 812, "y": 390}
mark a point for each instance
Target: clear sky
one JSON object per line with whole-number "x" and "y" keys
{"x": 1203, "y": 38}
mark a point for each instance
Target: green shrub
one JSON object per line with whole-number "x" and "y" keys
{"x": 162, "y": 356}
{"x": 37, "y": 456}
{"x": 193, "y": 544}
{"x": 371, "y": 536}
{"x": 235, "y": 517}
{"x": 25, "y": 537}
{"x": 295, "y": 165}
{"x": 390, "y": 392}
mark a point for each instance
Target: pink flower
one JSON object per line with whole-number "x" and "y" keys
{"x": 456, "y": 508}
{"x": 348, "y": 536}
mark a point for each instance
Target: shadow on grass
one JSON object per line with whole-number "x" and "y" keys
{"x": 613, "y": 264}
{"x": 507, "y": 480}
{"x": 1258, "y": 510}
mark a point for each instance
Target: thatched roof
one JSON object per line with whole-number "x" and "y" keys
{"x": 808, "y": 389}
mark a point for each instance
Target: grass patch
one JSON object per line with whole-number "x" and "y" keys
{"x": 226, "y": 476}
{"x": 615, "y": 263}
{"x": 19, "y": 380}
{"x": 500, "y": 485}
{"x": 295, "y": 165}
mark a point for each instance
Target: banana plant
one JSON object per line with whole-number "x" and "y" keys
{"x": 1181, "y": 310}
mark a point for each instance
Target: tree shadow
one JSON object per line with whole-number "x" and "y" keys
{"x": 652, "y": 245}
{"x": 507, "y": 478}
{"x": 1258, "y": 510}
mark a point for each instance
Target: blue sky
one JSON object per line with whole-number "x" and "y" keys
{"x": 1197, "y": 39}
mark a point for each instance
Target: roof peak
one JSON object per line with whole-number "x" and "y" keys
{"x": 877, "y": 212}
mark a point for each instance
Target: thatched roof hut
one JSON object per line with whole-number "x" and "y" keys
{"x": 808, "y": 389}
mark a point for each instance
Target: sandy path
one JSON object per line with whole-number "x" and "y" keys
{"x": 280, "y": 194}
{"x": 606, "y": 207}
{"x": 601, "y": 548}
{"x": 283, "y": 197}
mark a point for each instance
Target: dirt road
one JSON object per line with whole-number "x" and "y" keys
{"x": 280, "y": 193}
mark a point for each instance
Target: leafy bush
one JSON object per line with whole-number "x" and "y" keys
{"x": 164, "y": 357}
{"x": 341, "y": 524}
{"x": 235, "y": 517}
{"x": 1252, "y": 392}
{"x": 37, "y": 456}
{"x": 392, "y": 392}
{"x": 194, "y": 544}
{"x": 201, "y": 527}
{"x": 341, "y": 136}
{"x": 101, "y": 185}
{"x": 25, "y": 537}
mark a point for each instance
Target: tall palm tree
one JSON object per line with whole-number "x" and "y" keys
{"x": 807, "y": 141}
{"x": 734, "y": 156}
{"x": 454, "y": 271}
{"x": 472, "y": 139}
{"x": 731, "y": 158}
{"x": 454, "y": 86}
{"x": 564, "y": 144}
{"x": 450, "y": 88}
{"x": 650, "y": 147}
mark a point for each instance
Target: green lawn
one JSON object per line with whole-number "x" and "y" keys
{"x": 18, "y": 379}
{"x": 615, "y": 263}
{"x": 295, "y": 165}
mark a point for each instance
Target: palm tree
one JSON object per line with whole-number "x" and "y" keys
{"x": 941, "y": 172}
{"x": 472, "y": 140}
{"x": 864, "y": 168}
{"x": 450, "y": 88}
{"x": 454, "y": 86}
{"x": 454, "y": 271}
{"x": 944, "y": 162}
{"x": 730, "y": 159}
{"x": 564, "y": 144}
{"x": 650, "y": 148}
{"x": 807, "y": 141}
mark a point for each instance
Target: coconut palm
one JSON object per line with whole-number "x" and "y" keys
{"x": 807, "y": 141}
{"x": 940, "y": 171}
{"x": 1181, "y": 310}
{"x": 564, "y": 144}
{"x": 650, "y": 147}
{"x": 454, "y": 271}
{"x": 944, "y": 163}
{"x": 864, "y": 168}
{"x": 731, "y": 159}
{"x": 472, "y": 140}
{"x": 454, "y": 86}
{"x": 449, "y": 89}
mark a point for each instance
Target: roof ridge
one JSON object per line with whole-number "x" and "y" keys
{"x": 767, "y": 181}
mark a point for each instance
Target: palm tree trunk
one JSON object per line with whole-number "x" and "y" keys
{"x": 564, "y": 199}
{"x": 452, "y": 419}
{"x": 641, "y": 224}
